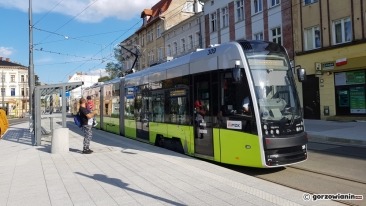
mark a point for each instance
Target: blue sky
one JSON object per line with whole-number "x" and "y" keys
{"x": 69, "y": 35}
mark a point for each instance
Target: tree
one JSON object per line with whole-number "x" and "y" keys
{"x": 114, "y": 70}
{"x": 104, "y": 79}
{"x": 36, "y": 80}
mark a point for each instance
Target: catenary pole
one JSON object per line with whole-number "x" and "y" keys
{"x": 31, "y": 71}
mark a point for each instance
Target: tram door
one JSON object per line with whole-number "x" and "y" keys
{"x": 203, "y": 120}
{"x": 142, "y": 105}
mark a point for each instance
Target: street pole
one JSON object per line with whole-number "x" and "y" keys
{"x": 3, "y": 92}
{"x": 31, "y": 70}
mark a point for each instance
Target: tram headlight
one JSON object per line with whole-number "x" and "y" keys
{"x": 271, "y": 131}
{"x": 266, "y": 132}
{"x": 265, "y": 127}
{"x": 304, "y": 147}
{"x": 277, "y": 131}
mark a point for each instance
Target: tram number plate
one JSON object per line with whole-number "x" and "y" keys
{"x": 202, "y": 131}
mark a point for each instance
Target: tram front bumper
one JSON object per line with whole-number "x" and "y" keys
{"x": 285, "y": 150}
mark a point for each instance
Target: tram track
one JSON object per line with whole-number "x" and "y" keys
{"x": 330, "y": 175}
{"x": 319, "y": 183}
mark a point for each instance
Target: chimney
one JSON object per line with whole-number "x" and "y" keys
{"x": 8, "y": 59}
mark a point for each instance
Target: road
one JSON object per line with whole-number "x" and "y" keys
{"x": 329, "y": 169}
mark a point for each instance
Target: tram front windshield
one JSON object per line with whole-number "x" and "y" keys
{"x": 274, "y": 85}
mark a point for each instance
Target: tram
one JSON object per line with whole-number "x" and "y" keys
{"x": 252, "y": 115}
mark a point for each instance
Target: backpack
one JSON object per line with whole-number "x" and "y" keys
{"x": 77, "y": 120}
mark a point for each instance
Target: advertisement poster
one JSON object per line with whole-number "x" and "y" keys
{"x": 357, "y": 100}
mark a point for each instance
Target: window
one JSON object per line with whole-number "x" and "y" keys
{"x": 142, "y": 40}
{"x": 2, "y": 91}
{"x": 151, "y": 57}
{"x": 198, "y": 37}
{"x": 12, "y": 78}
{"x": 306, "y": 2}
{"x": 183, "y": 45}
{"x": 22, "y": 92}
{"x": 275, "y": 3}
{"x": 342, "y": 31}
{"x": 258, "y": 36}
{"x": 169, "y": 52}
{"x": 160, "y": 53}
{"x": 276, "y": 35}
{"x": 213, "y": 22}
{"x": 175, "y": 48}
{"x": 239, "y": 10}
{"x": 312, "y": 38}
{"x": 225, "y": 17}
{"x": 158, "y": 31}
{"x": 12, "y": 92}
{"x": 190, "y": 39}
{"x": 22, "y": 78}
{"x": 150, "y": 36}
{"x": 257, "y": 6}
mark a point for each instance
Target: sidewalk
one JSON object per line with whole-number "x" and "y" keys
{"x": 337, "y": 132}
{"x": 122, "y": 171}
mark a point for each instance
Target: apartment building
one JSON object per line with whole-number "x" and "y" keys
{"x": 14, "y": 88}
{"x": 228, "y": 20}
{"x": 184, "y": 37}
{"x": 160, "y": 17}
{"x": 330, "y": 44}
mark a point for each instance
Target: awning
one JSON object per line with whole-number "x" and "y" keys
{"x": 54, "y": 88}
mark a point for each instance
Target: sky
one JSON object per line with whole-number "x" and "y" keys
{"x": 69, "y": 36}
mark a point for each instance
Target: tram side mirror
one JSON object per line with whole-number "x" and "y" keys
{"x": 237, "y": 72}
{"x": 301, "y": 74}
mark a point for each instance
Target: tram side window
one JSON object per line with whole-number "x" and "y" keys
{"x": 234, "y": 97}
{"x": 115, "y": 101}
{"x": 235, "y": 103}
{"x": 129, "y": 104}
{"x": 178, "y": 106}
{"x": 158, "y": 107}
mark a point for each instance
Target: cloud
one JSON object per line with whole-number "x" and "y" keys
{"x": 6, "y": 51}
{"x": 85, "y": 10}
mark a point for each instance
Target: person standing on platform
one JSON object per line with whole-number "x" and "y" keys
{"x": 86, "y": 122}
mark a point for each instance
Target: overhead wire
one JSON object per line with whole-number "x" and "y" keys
{"x": 65, "y": 37}
{"x": 71, "y": 19}
{"x": 48, "y": 12}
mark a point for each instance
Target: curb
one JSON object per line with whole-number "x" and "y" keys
{"x": 336, "y": 140}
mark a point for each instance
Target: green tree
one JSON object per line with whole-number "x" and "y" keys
{"x": 104, "y": 79}
{"x": 114, "y": 70}
{"x": 36, "y": 80}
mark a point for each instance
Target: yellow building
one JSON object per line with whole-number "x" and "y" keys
{"x": 329, "y": 42}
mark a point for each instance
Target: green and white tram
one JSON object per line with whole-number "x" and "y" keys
{"x": 247, "y": 90}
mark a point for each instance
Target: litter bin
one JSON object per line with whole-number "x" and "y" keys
{"x": 60, "y": 141}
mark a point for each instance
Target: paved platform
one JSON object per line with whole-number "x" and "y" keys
{"x": 122, "y": 171}
{"x": 336, "y": 132}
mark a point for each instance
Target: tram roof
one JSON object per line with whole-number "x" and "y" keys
{"x": 199, "y": 60}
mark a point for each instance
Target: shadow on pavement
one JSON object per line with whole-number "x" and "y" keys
{"x": 118, "y": 183}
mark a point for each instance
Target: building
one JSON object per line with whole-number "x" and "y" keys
{"x": 184, "y": 37}
{"x": 157, "y": 19}
{"x": 14, "y": 88}
{"x": 228, "y": 20}
{"x": 330, "y": 44}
